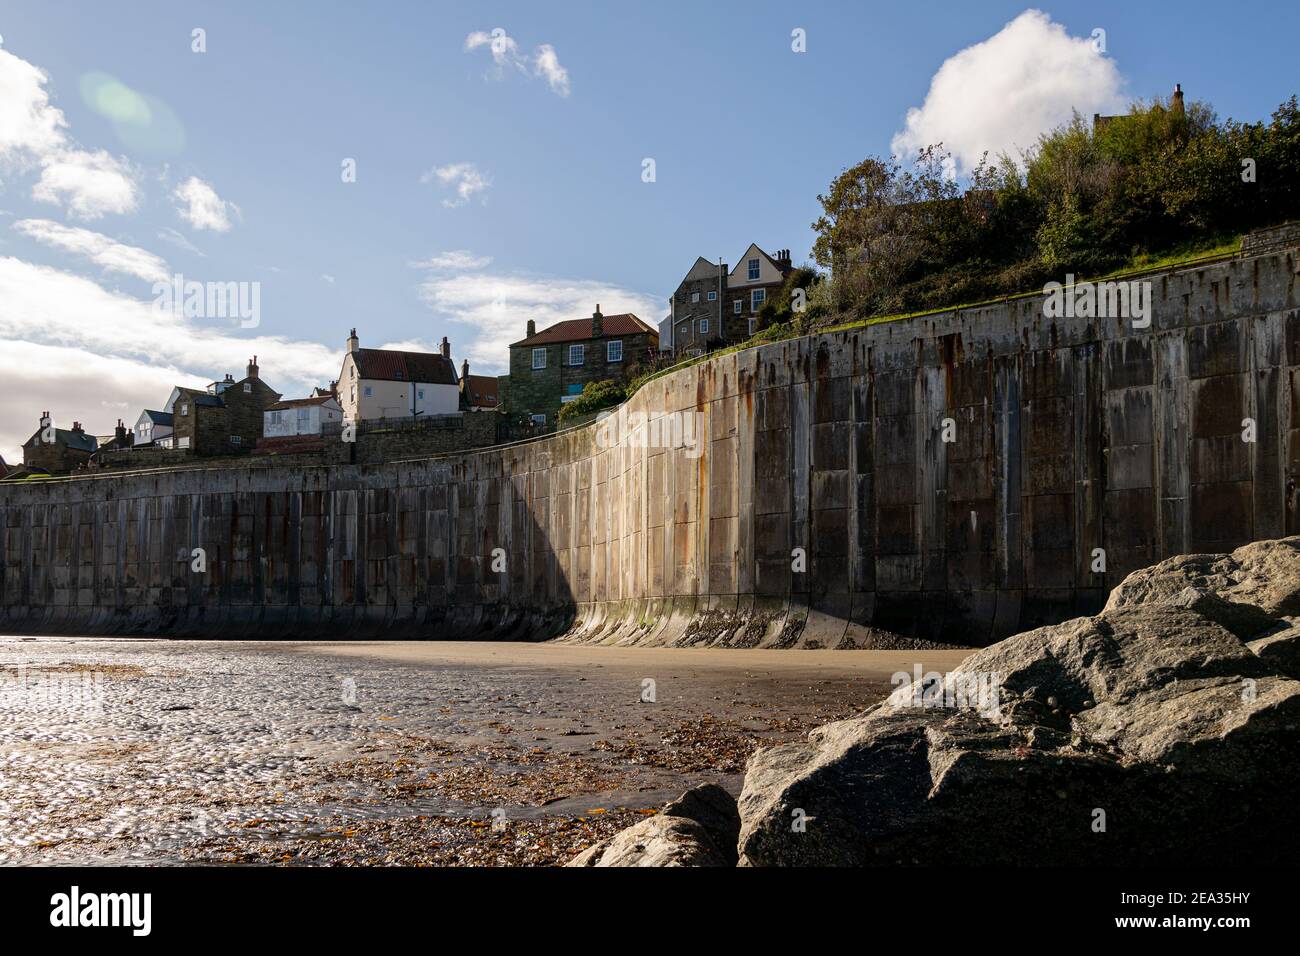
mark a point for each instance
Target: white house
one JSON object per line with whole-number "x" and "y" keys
{"x": 385, "y": 383}
{"x": 300, "y": 416}
{"x": 154, "y": 427}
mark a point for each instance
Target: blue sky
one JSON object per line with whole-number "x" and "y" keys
{"x": 232, "y": 169}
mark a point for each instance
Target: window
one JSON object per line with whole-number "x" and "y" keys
{"x": 399, "y": 375}
{"x": 539, "y": 419}
{"x": 248, "y": 387}
{"x": 713, "y": 296}
{"x": 236, "y": 440}
{"x": 539, "y": 358}
{"x": 577, "y": 354}
{"x": 756, "y": 298}
{"x": 571, "y": 391}
{"x": 419, "y": 393}
{"x": 753, "y": 324}
{"x": 304, "y": 417}
{"x": 753, "y": 270}
{"x": 614, "y": 351}
{"x": 353, "y": 370}
{"x": 353, "y": 399}
{"x": 695, "y": 297}
{"x": 704, "y": 326}
{"x": 185, "y": 410}
{"x": 277, "y": 418}
{"x": 737, "y": 306}
{"x": 367, "y": 391}
{"x": 184, "y": 443}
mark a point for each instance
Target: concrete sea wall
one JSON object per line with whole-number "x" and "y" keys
{"x": 811, "y": 499}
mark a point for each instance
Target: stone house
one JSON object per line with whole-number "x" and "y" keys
{"x": 58, "y": 451}
{"x": 714, "y": 306}
{"x": 226, "y": 418}
{"x": 386, "y": 383}
{"x": 551, "y": 367}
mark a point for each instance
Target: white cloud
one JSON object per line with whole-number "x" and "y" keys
{"x": 1001, "y": 93}
{"x": 203, "y": 208}
{"x": 54, "y": 319}
{"x": 493, "y": 310}
{"x": 547, "y": 65}
{"x": 88, "y": 183}
{"x": 29, "y": 126}
{"x": 328, "y": 278}
{"x": 465, "y": 178}
{"x": 107, "y": 253}
{"x": 543, "y": 63}
{"x": 456, "y": 260}
{"x": 168, "y": 234}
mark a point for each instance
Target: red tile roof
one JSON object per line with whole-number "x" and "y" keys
{"x": 483, "y": 390}
{"x": 430, "y": 368}
{"x": 579, "y": 330}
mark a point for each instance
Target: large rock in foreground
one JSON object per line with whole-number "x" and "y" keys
{"x": 699, "y": 828}
{"x": 1151, "y": 733}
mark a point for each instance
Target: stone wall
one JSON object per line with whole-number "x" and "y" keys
{"x": 1073, "y": 439}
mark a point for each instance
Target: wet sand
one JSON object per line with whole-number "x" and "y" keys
{"x": 438, "y": 753}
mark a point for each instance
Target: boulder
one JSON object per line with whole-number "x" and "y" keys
{"x": 699, "y": 828}
{"x": 1281, "y": 648}
{"x": 1150, "y": 734}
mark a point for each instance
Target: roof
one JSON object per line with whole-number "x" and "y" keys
{"x": 299, "y": 402}
{"x": 579, "y": 330}
{"x": 704, "y": 269}
{"x": 431, "y": 368}
{"x": 200, "y": 397}
{"x": 159, "y": 418}
{"x": 483, "y": 390}
{"x": 63, "y": 436}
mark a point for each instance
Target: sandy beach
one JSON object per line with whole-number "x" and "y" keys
{"x": 374, "y": 753}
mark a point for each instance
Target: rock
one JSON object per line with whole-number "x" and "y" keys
{"x": 1264, "y": 574}
{"x": 1281, "y": 649}
{"x": 699, "y": 828}
{"x": 1150, "y": 734}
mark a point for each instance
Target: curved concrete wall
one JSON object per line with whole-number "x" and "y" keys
{"x": 797, "y": 494}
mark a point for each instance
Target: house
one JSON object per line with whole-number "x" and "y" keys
{"x": 295, "y": 417}
{"x": 550, "y": 367}
{"x": 121, "y": 439}
{"x": 714, "y": 306}
{"x": 481, "y": 393}
{"x": 223, "y": 419}
{"x": 58, "y": 451}
{"x": 385, "y": 383}
{"x": 1176, "y": 106}
{"x": 154, "y": 428}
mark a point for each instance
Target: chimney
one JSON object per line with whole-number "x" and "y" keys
{"x": 1177, "y": 103}
{"x": 252, "y": 367}
{"x": 353, "y": 342}
{"x": 597, "y": 323}
{"x": 76, "y": 427}
{"x": 532, "y": 328}
{"x": 445, "y": 348}
{"x": 464, "y": 374}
